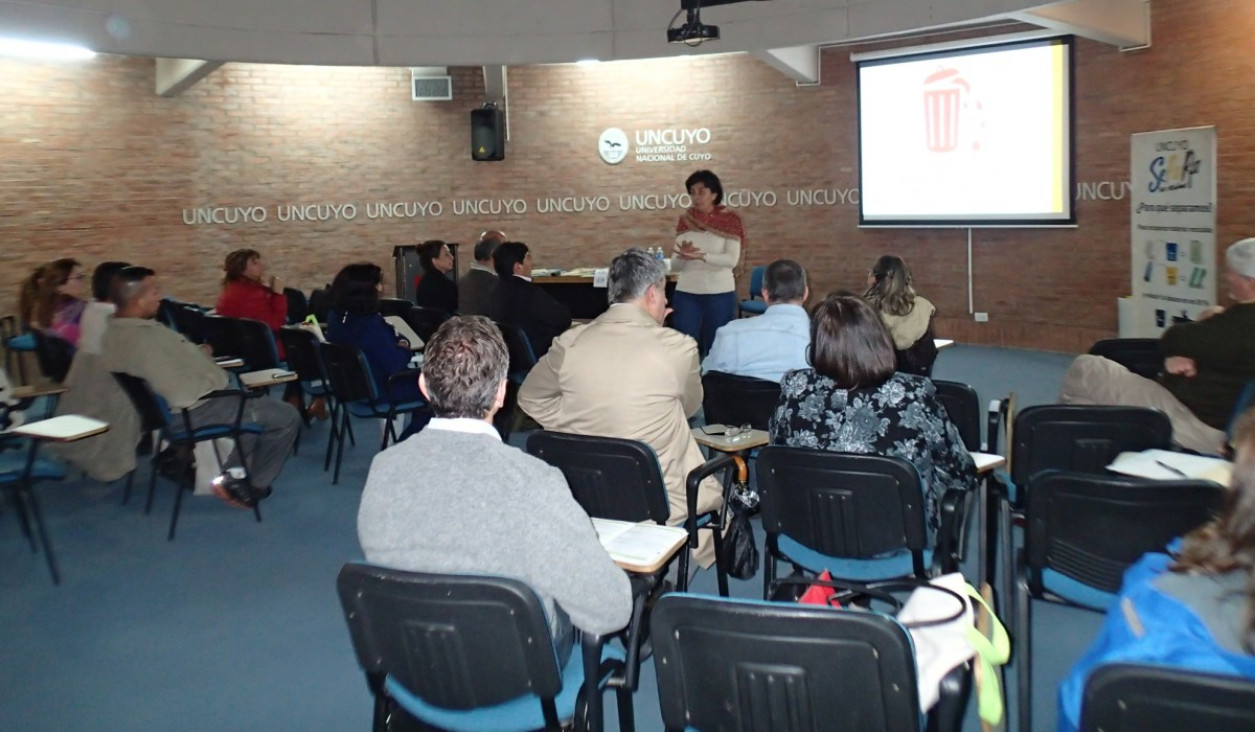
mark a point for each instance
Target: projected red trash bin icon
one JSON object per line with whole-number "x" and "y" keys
{"x": 944, "y": 93}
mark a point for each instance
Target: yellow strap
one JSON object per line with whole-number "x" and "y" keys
{"x": 989, "y": 653}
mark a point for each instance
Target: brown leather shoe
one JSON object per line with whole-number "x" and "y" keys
{"x": 317, "y": 408}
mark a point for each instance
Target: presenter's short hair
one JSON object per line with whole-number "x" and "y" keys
{"x": 507, "y": 255}
{"x": 708, "y": 179}
{"x": 785, "y": 280}
{"x": 632, "y": 273}
{"x": 464, "y": 364}
{"x": 850, "y": 344}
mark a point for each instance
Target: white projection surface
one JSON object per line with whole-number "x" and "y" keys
{"x": 971, "y": 137}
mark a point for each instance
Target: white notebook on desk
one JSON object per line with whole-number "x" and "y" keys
{"x": 1168, "y": 465}
{"x": 637, "y": 544}
{"x": 404, "y": 330}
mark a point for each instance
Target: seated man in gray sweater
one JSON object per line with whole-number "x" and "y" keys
{"x": 454, "y": 499}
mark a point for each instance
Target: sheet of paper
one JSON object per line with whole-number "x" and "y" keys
{"x": 404, "y": 330}
{"x": 1168, "y": 465}
{"x": 987, "y": 461}
{"x": 601, "y": 277}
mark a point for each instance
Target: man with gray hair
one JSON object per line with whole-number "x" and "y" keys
{"x": 625, "y": 375}
{"x": 766, "y": 346}
{"x": 455, "y": 499}
{"x": 1207, "y": 364}
{"x": 478, "y": 282}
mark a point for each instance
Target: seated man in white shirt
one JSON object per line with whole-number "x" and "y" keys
{"x": 766, "y": 346}
{"x": 454, "y": 499}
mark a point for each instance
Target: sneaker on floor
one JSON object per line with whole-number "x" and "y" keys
{"x": 233, "y": 490}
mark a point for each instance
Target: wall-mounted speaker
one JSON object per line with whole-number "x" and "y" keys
{"x": 487, "y": 134}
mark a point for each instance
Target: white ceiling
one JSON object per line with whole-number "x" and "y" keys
{"x": 509, "y": 32}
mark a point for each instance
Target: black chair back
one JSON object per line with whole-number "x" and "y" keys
{"x": 54, "y": 355}
{"x": 729, "y": 665}
{"x": 256, "y": 343}
{"x": 347, "y": 373}
{"x": 963, "y": 407}
{"x": 1139, "y": 355}
{"x": 298, "y": 305}
{"x": 320, "y": 304}
{"x": 609, "y": 477}
{"x": 457, "y": 642}
{"x": 423, "y": 321}
{"x": 736, "y": 400}
{"x": 842, "y": 505}
{"x": 221, "y": 335}
{"x": 1092, "y": 527}
{"x": 303, "y": 354}
{"x": 153, "y": 415}
{"x": 394, "y": 306}
{"x": 1082, "y": 438}
{"x": 188, "y": 320}
{"x": 1121, "y": 697}
{"x": 519, "y": 346}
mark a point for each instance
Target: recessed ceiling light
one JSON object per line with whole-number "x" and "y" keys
{"x": 44, "y": 50}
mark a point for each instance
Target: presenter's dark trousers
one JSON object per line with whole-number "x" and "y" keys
{"x": 700, "y": 316}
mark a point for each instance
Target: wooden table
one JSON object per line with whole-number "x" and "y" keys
{"x": 644, "y": 547}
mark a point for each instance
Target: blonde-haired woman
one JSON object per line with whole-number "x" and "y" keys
{"x": 908, "y": 316}
{"x": 52, "y": 298}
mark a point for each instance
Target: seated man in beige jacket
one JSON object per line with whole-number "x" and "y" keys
{"x": 625, "y": 375}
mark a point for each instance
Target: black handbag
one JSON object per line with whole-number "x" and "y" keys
{"x": 739, "y": 553}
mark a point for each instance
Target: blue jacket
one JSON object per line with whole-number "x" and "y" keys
{"x": 1173, "y": 635}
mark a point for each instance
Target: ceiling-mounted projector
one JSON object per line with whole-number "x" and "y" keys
{"x": 693, "y": 32}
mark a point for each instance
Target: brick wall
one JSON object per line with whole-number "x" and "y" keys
{"x": 94, "y": 165}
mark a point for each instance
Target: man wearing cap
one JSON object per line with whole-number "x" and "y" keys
{"x": 1207, "y": 364}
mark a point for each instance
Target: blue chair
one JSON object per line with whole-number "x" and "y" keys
{"x": 154, "y": 415}
{"x": 20, "y": 470}
{"x": 754, "y": 305}
{"x": 471, "y": 653}
{"x": 356, "y": 395}
{"x": 1083, "y": 531}
{"x": 861, "y": 517}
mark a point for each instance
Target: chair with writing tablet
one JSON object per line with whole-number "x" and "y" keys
{"x": 471, "y": 653}
{"x": 1079, "y": 438}
{"x": 356, "y": 395}
{"x": 155, "y": 415}
{"x": 1083, "y": 530}
{"x": 298, "y": 305}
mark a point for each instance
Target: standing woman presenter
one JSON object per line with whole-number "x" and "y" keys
{"x": 708, "y": 244}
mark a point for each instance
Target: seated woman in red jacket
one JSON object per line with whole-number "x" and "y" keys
{"x": 247, "y": 294}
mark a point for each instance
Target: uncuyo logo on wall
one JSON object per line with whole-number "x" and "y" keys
{"x": 613, "y": 145}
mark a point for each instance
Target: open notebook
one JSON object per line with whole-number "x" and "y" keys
{"x": 638, "y": 547}
{"x": 1168, "y": 465}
